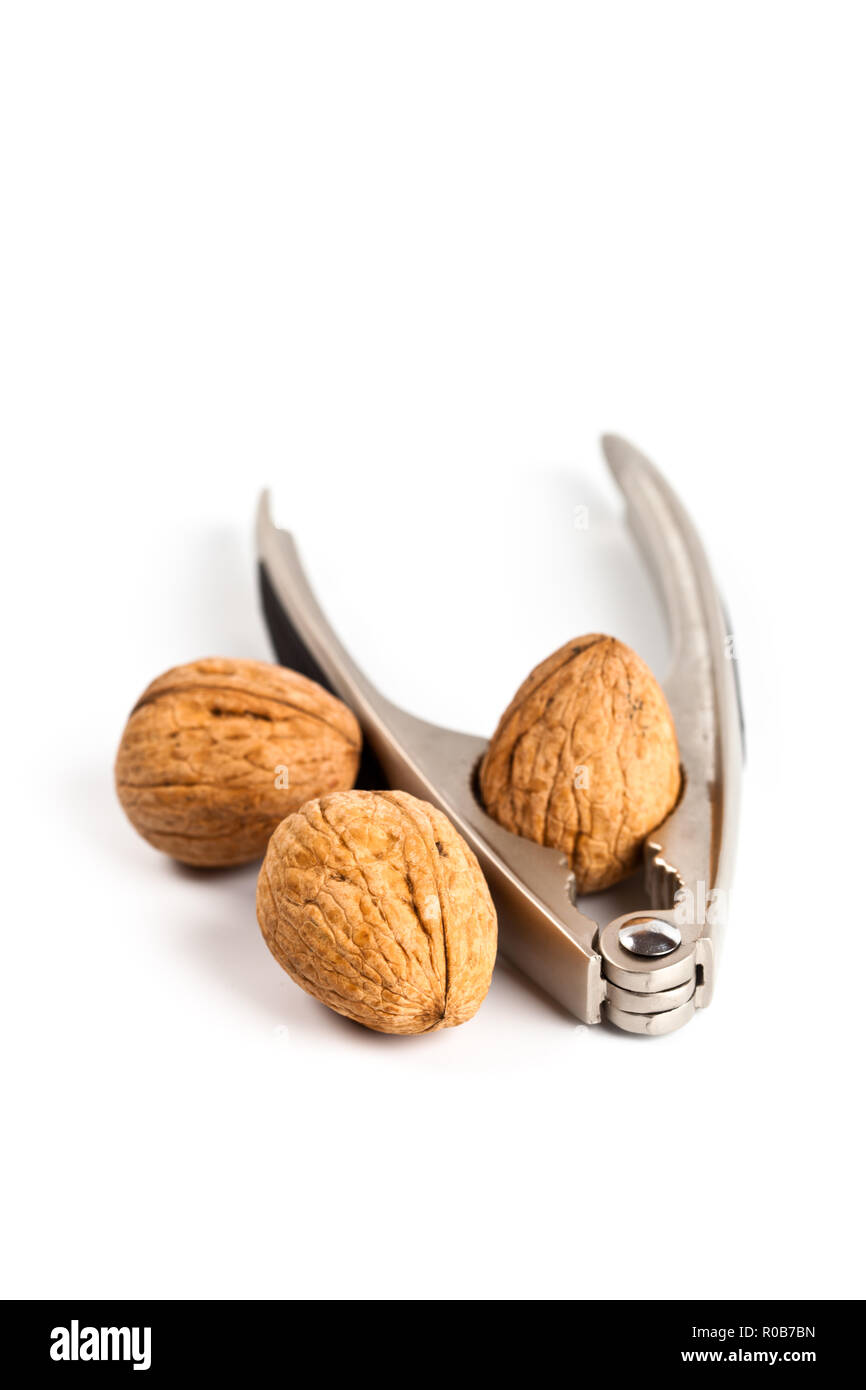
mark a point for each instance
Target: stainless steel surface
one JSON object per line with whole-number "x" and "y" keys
{"x": 648, "y": 936}
{"x": 651, "y": 1025}
{"x": 542, "y": 929}
{"x": 627, "y": 1002}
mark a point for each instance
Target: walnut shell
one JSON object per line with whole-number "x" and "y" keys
{"x": 585, "y": 759}
{"x": 216, "y": 753}
{"x": 377, "y": 907}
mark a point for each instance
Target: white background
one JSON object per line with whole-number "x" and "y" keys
{"x": 405, "y": 263}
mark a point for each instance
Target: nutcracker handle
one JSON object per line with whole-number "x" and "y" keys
{"x": 292, "y": 651}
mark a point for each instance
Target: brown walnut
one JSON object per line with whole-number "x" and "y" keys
{"x": 585, "y": 759}
{"x": 375, "y": 905}
{"x": 216, "y": 753}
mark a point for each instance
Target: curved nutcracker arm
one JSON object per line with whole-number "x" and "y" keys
{"x": 689, "y": 858}
{"x": 540, "y": 928}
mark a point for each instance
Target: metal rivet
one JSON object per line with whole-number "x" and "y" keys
{"x": 647, "y": 936}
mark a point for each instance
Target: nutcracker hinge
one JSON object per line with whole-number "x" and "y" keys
{"x": 656, "y": 972}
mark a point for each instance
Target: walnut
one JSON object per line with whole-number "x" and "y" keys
{"x": 375, "y": 905}
{"x": 585, "y": 759}
{"x": 216, "y": 753}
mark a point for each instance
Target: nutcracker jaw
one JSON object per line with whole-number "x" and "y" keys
{"x": 648, "y": 971}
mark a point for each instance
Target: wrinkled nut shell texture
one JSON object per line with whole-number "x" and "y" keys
{"x": 198, "y": 769}
{"x": 585, "y": 759}
{"x": 376, "y": 906}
